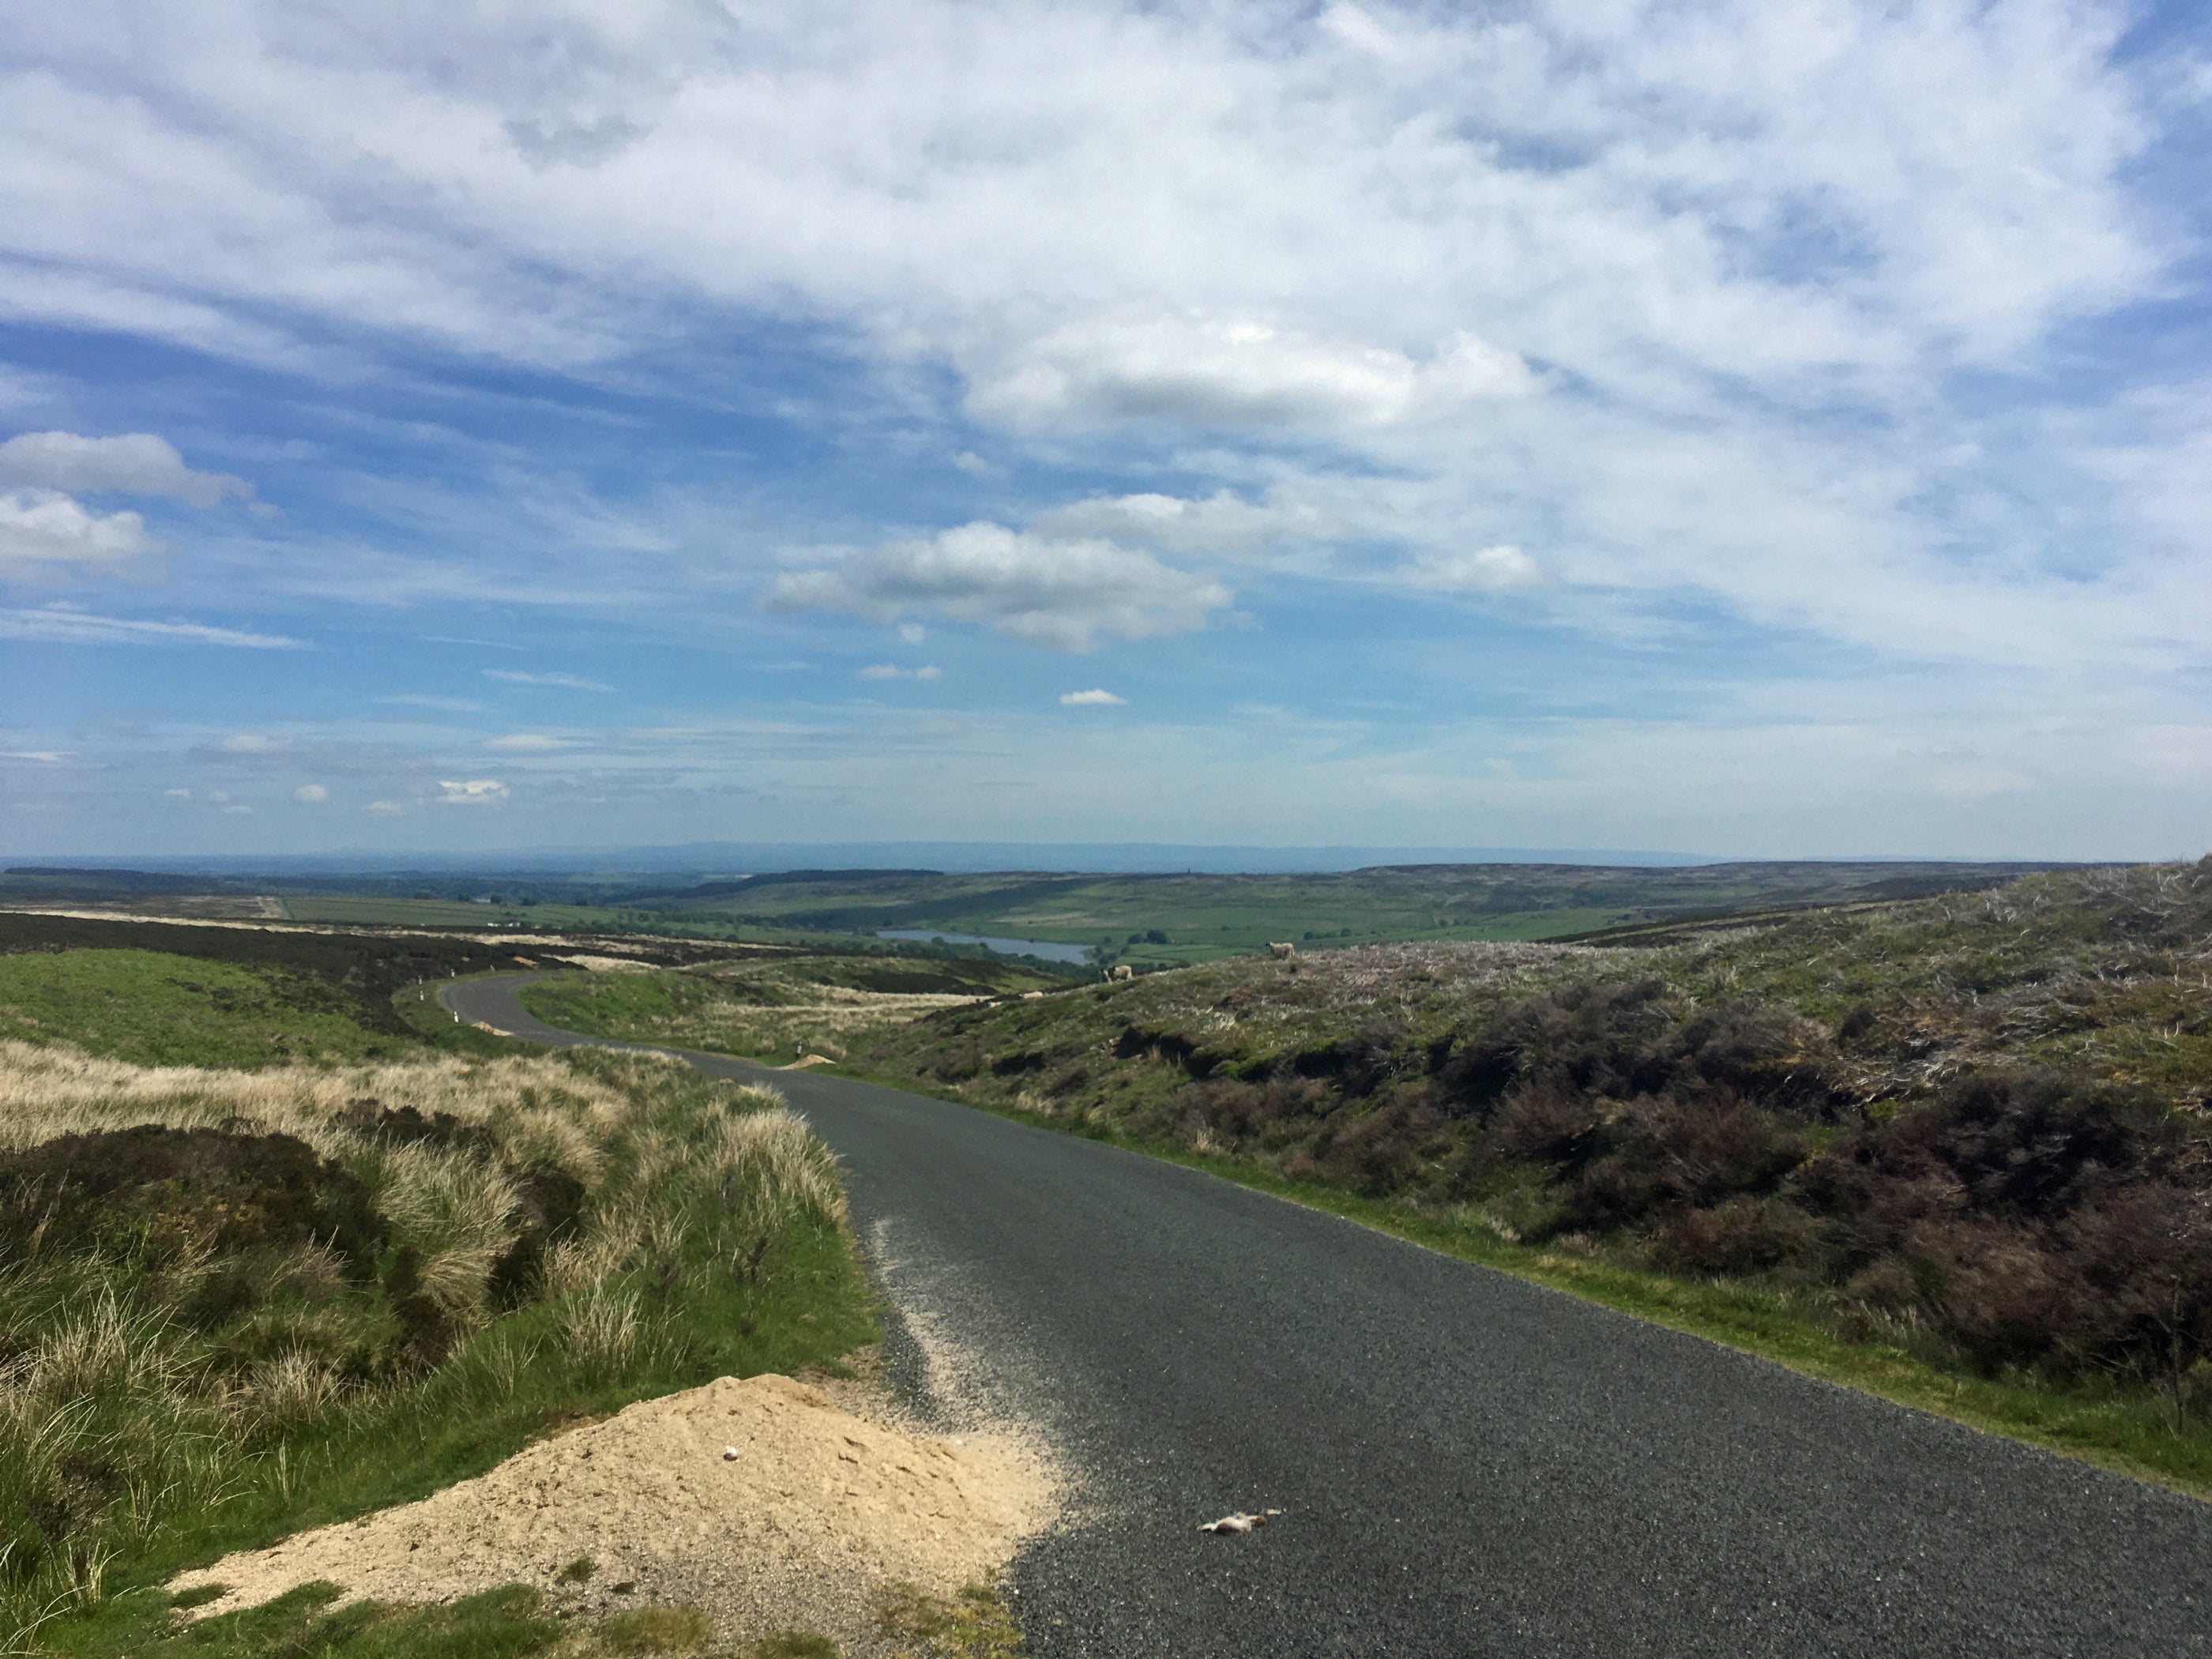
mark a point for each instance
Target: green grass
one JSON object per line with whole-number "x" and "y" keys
{"x": 155, "y": 1009}
{"x": 500, "y": 1623}
{"x": 762, "y": 1009}
{"x": 159, "y": 1461}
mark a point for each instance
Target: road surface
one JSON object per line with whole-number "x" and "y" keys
{"x": 1467, "y": 1464}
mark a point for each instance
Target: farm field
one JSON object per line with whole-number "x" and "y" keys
{"x": 1147, "y": 921}
{"x": 1174, "y": 919}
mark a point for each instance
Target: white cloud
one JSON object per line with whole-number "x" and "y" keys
{"x": 912, "y": 633}
{"x": 471, "y": 791}
{"x": 1484, "y": 570}
{"x": 529, "y": 741}
{"x": 384, "y": 808}
{"x": 139, "y": 463}
{"x": 311, "y": 794}
{"x": 48, "y": 756}
{"x": 1061, "y": 594}
{"x": 46, "y": 526}
{"x": 566, "y": 682}
{"x": 1223, "y": 524}
{"x": 1091, "y": 699}
{"x": 447, "y": 705}
{"x": 1206, "y": 372}
{"x": 891, "y": 670}
{"x": 67, "y": 627}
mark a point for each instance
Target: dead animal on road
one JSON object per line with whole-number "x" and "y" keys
{"x": 1239, "y": 1522}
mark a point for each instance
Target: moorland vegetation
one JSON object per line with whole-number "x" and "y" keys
{"x": 329, "y": 1268}
{"x": 1969, "y": 1134}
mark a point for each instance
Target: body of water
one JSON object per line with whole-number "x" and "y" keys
{"x": 1011, "y": 947}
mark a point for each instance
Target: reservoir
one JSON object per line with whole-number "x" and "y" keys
{"x": 1011, "y": 947}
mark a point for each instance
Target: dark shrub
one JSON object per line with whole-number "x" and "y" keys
{"x": 425, "y": 1336}
{"x": 172, "y": 1191}
{"x": 1381, "y": 1152}
{"x": 2143, "y": 1258}
{"x": 405, "y": 1126}
{"x": 1993, "y": 1289}
{"x": 1624, "y": 1041}
{"x": 1362, "y": 1062}
{"x": 1548, "y": 1125}
{"x": 1743, "y": 1234}
{"x": 2022, "y": 1146}
{"x": 1662, "y": 1155}
{"x": 1771, "y": 1058}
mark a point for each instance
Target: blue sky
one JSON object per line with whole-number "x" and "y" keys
{"x": 1762, "y": 429}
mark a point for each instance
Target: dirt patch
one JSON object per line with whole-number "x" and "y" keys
{"x": 762, "y": 1502}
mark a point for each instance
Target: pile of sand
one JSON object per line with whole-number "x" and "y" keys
{"x": 818, "y": 1510}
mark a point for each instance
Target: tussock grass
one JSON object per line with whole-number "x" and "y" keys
{"x": 361, "y": 1281}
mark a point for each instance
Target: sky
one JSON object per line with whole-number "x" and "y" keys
{"x": 1772, "y": 429}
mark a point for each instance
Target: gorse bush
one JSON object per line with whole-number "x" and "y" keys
{"x": 215, "y": 1286}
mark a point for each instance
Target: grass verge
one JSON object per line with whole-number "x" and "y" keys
{"x": 336, "y": 1289}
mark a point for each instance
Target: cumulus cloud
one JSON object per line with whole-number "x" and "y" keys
{"x": 1095, "y": 698}
{"x": 1062, "y": 594}
{"x": 1484, "y": 570}
{"x": 61, "y": 626}
{"x": 891, "y": 670}
{"x": 471, "y": 791}
{"x": 310, "y": 794}
{"x": 529, "y": 741}
{"x": 139, "y": 463}
{"x": 384, "y": 809}
{"x": 566, "y": 682}
{"x": 1209, "y": 372}
{"x": 44, "y": 526}
{"x": 1222, "y": 524}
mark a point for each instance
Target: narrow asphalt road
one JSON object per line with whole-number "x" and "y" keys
{"x": 1468, "y": 1464}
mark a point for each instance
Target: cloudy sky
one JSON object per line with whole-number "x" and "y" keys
{"x": 1766, "y": 428}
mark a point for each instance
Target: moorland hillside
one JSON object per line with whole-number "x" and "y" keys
{"x": 1971, "y": 1128}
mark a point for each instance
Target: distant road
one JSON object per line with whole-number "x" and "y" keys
{"x": 1468, "y": 1465}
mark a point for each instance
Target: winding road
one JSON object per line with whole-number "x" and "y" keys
{"x": 1467, "y": 1464}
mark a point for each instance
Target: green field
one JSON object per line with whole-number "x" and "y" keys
{"x": 1165, "y": 921}
{"x": 1148, "y": 921}
{"x": 769, "y": 1006}
{"x": 157, "y": 1009}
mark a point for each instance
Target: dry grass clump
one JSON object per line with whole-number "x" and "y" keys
{"x": 203, "y": 1272}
